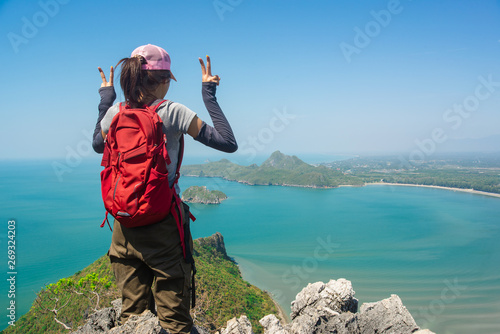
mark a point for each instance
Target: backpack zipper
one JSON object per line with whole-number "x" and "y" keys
{"x": 116, "y": 185}
{"x": 117, "y": 180}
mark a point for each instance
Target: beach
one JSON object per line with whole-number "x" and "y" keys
{"x": 470, "y": 191}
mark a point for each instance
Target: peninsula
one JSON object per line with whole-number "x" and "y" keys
{"x": 472, "y": 173}
{"x": 279, "y": 169}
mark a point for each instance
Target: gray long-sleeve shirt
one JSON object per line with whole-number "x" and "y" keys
{"x": 176, "y": 121}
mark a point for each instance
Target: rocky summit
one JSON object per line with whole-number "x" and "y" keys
{"x": 319, "y": 308}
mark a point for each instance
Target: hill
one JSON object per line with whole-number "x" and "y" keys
{"x": 195, "y": 194}
{"x": 221, "y": 294}
{"x": 278, "y": 169}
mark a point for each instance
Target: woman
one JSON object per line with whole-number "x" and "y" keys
{"x": 150, "y": 253}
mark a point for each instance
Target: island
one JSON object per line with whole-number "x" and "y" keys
{"x": 202, "y": 195}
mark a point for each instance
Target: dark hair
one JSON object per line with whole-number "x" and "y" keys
{"x": 137, "y": 84}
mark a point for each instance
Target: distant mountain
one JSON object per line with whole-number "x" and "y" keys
{"x": 283, "y": 161}
{"x": 278, "y": 169}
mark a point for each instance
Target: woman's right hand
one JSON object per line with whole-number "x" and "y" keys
{"x": 103, "y": 77}
{"x": 207, "y": 73}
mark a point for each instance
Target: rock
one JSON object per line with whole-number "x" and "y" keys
{"x": 215, "y": 241}
{"x": 324, "y": 308}
{"x": 272, "y": 324}
{"x": 99, "y": 322}
{"x": 318, "y": 308}
{"x": 146, "y": 323}
{"x": 386, "y": 316}
{"x": 106, "y": 321}
{"x": 238, "y": 326}
{"x": 117, "y": 306}
{"x": 332, "y": 308}
{"x": 323, "y": 299}
{"x": 199, "y": 330}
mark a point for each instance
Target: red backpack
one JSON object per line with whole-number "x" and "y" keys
{"x": 134, "y": 182}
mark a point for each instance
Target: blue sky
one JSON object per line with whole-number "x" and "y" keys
{"x": 317, "y": 77}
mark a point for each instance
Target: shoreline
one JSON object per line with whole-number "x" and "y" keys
{"x": 470, "y": 191}
{"x": 281, "y": 312}
{"x": 282, "y": 315}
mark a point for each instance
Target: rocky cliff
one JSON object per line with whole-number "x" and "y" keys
{"x": 319, "y": 308}
{"x": 66, "y": 303}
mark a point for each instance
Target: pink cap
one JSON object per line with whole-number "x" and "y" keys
{"x": 156, "y": 57}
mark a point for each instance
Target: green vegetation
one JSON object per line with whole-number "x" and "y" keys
{"x": 195, "y": 194}
{"x": 279, "y": 169}
{"x": 480, "y": 173}
{"x": 221, "y": 292}
{"x": 467, "y": 171}
{"x": 69, "y": 301}
{"x": 221, "y": 295}
{"x": 453, "y": 178}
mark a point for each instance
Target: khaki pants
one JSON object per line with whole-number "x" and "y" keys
{"x": 150, "y": 253}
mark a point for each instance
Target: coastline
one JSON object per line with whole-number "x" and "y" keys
{"x": 282, "y": 315}
{"x": 284, "y": 318}
{"x": 470, "y": 191}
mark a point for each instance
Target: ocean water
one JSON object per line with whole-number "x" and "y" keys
{"x": 437, "y": 249}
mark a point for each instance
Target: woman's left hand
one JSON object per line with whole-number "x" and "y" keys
{"x": 103, "y": 77}
{"x": 207, "y": 72}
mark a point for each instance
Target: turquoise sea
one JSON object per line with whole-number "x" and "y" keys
{"x": 438, "y": 250}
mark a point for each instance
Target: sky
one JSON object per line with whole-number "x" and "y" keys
{"x": 303, "y": 77}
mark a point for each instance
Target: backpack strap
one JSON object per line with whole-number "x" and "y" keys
{"x": 156, "y": 106}
{"x": 179, "y": 160}
{"x": 193, "y": 285}
{"x": 148, "y": 106}
{"x": 106, "y": 220}
{"x": 175, "y": 209}
{"x": 165, "y": 152}
{"x": 177, "y": 172}
{"x": 176, "y": 203}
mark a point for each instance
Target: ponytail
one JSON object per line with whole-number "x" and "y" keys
{"x": 137, "y": 84}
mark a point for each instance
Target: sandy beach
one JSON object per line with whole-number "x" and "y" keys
{"x": 284, "y": 317}
{"x": 471, "y": 191}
